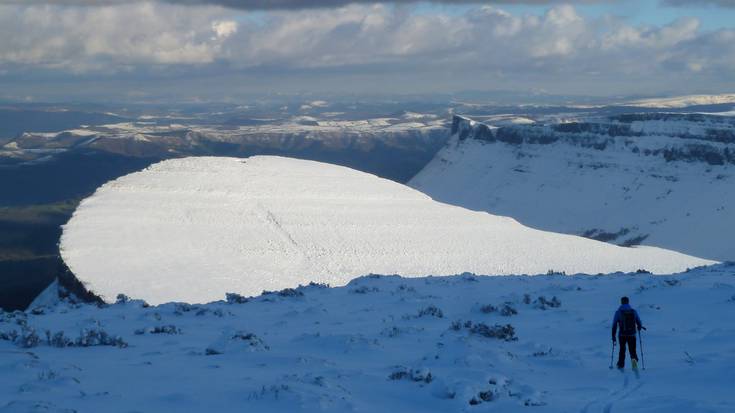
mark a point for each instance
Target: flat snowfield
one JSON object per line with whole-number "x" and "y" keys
{"x": 193, "y": 229}
{"x": 384, "y": 344}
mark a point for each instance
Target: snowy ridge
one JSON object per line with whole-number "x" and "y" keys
{"x": 684, "y": 101}
{"x": 437, "y": 344}
{"x": 192, "y": 229}
{"x": 656, "y": 178}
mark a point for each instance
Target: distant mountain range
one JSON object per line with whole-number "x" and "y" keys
{"x": 196, "y": 228}
{"x": 395, "y": 147}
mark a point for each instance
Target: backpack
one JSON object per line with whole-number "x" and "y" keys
{"x": 627, "y": 323}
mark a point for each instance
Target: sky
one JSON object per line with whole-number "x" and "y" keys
{"x": 232, "y": 50}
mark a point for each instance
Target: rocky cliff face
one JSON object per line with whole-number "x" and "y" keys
{"x": 694, "y": 137}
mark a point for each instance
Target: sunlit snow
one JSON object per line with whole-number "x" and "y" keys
{"x": 193, "y": 229}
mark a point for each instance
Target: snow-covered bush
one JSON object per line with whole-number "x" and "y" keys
{"x": 181, "y": 308}
{"x": 500, "y": 332}
{"x": 488, "y": 308}
{"x": 234, "y": 298}
{"x": 431, "y": 311}
{"x": 390, "y": 332}
{"x": 458, "y": 325}
{"x": 165, "y": 329}
{"x": 28, "y": 338}
{"x": 58, "y": 339}
{"x": 8, "y": 335}
{"x": 313, "y": 284}
{"x": 469, "y": 277}
{"x": 506, "y": 309}
{"x": 526, "y": 299}
{"x": 290, "y": 292}
{"x": 39, "y": 310}
{"x": 98, "y": 337}
{"x": 251, "y": 339}
{"x": 123, "y": 299}
{"x": 252, "y": 342}
{"x": 286, "y": 292}
{"x": 364, "y": 289}
{"x": 417, "y": 375}
{"x": 542, "y": 353}
{"x": 274, "y": 392}
{"x": 16, "y": 317}
{"x": 483, "y": 396}
{"x": 211, "y": 351}
{"x": 554, "y": 272}
{"x": 542, "y": 303}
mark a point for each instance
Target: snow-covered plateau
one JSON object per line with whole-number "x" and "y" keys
{"x": 684, "y": 101}
{"x": 193, "y": 229}
{"x": 384, "y": 344}
{"x": 661, "y": 179}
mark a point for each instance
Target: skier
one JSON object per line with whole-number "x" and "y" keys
{"x": 629, "y": 322}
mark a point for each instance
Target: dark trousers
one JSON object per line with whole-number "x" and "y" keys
{"x": 630, "y": 342}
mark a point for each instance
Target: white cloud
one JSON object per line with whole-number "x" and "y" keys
{"x": 224, "y": 28}
{"x": 382, "y": 39}
{"x": 109, "y": 38}
{"x": 308, "y": 4}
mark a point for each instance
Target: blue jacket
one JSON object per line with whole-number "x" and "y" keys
{"x": 617, "y": 320}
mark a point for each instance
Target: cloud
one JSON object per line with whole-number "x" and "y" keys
{"x": 293, "y": 4}
{"x": 225, "y": 28}
{"x": 108, "y": 39}
{"x": 689, "y": 3}
{"x": 316, "y": 47}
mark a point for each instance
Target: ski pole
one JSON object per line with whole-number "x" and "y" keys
{"x": 612, "y": 353}
{"x": 640, "y": 338}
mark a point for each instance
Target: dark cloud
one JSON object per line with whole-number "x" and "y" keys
{"x": 685, "y": 3}
{"x": 295, "y": 4}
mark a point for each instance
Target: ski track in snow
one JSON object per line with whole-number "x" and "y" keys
{"x": 369, "y": 347}
{"x": 608, "y": 402}
{"x": 279, "y": 228}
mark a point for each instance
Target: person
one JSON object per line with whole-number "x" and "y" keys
{"x": 627, "y": 319}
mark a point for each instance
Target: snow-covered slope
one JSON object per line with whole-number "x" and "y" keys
{"x": 656, "y": 178}
{"x": 384, "y": 344}
{"x": 192, "y": 229}
{"x": 684, "y": 101}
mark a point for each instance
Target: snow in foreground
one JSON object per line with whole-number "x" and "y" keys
{"x": 192, "y": 229}
{"x": 380, "y": 344}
